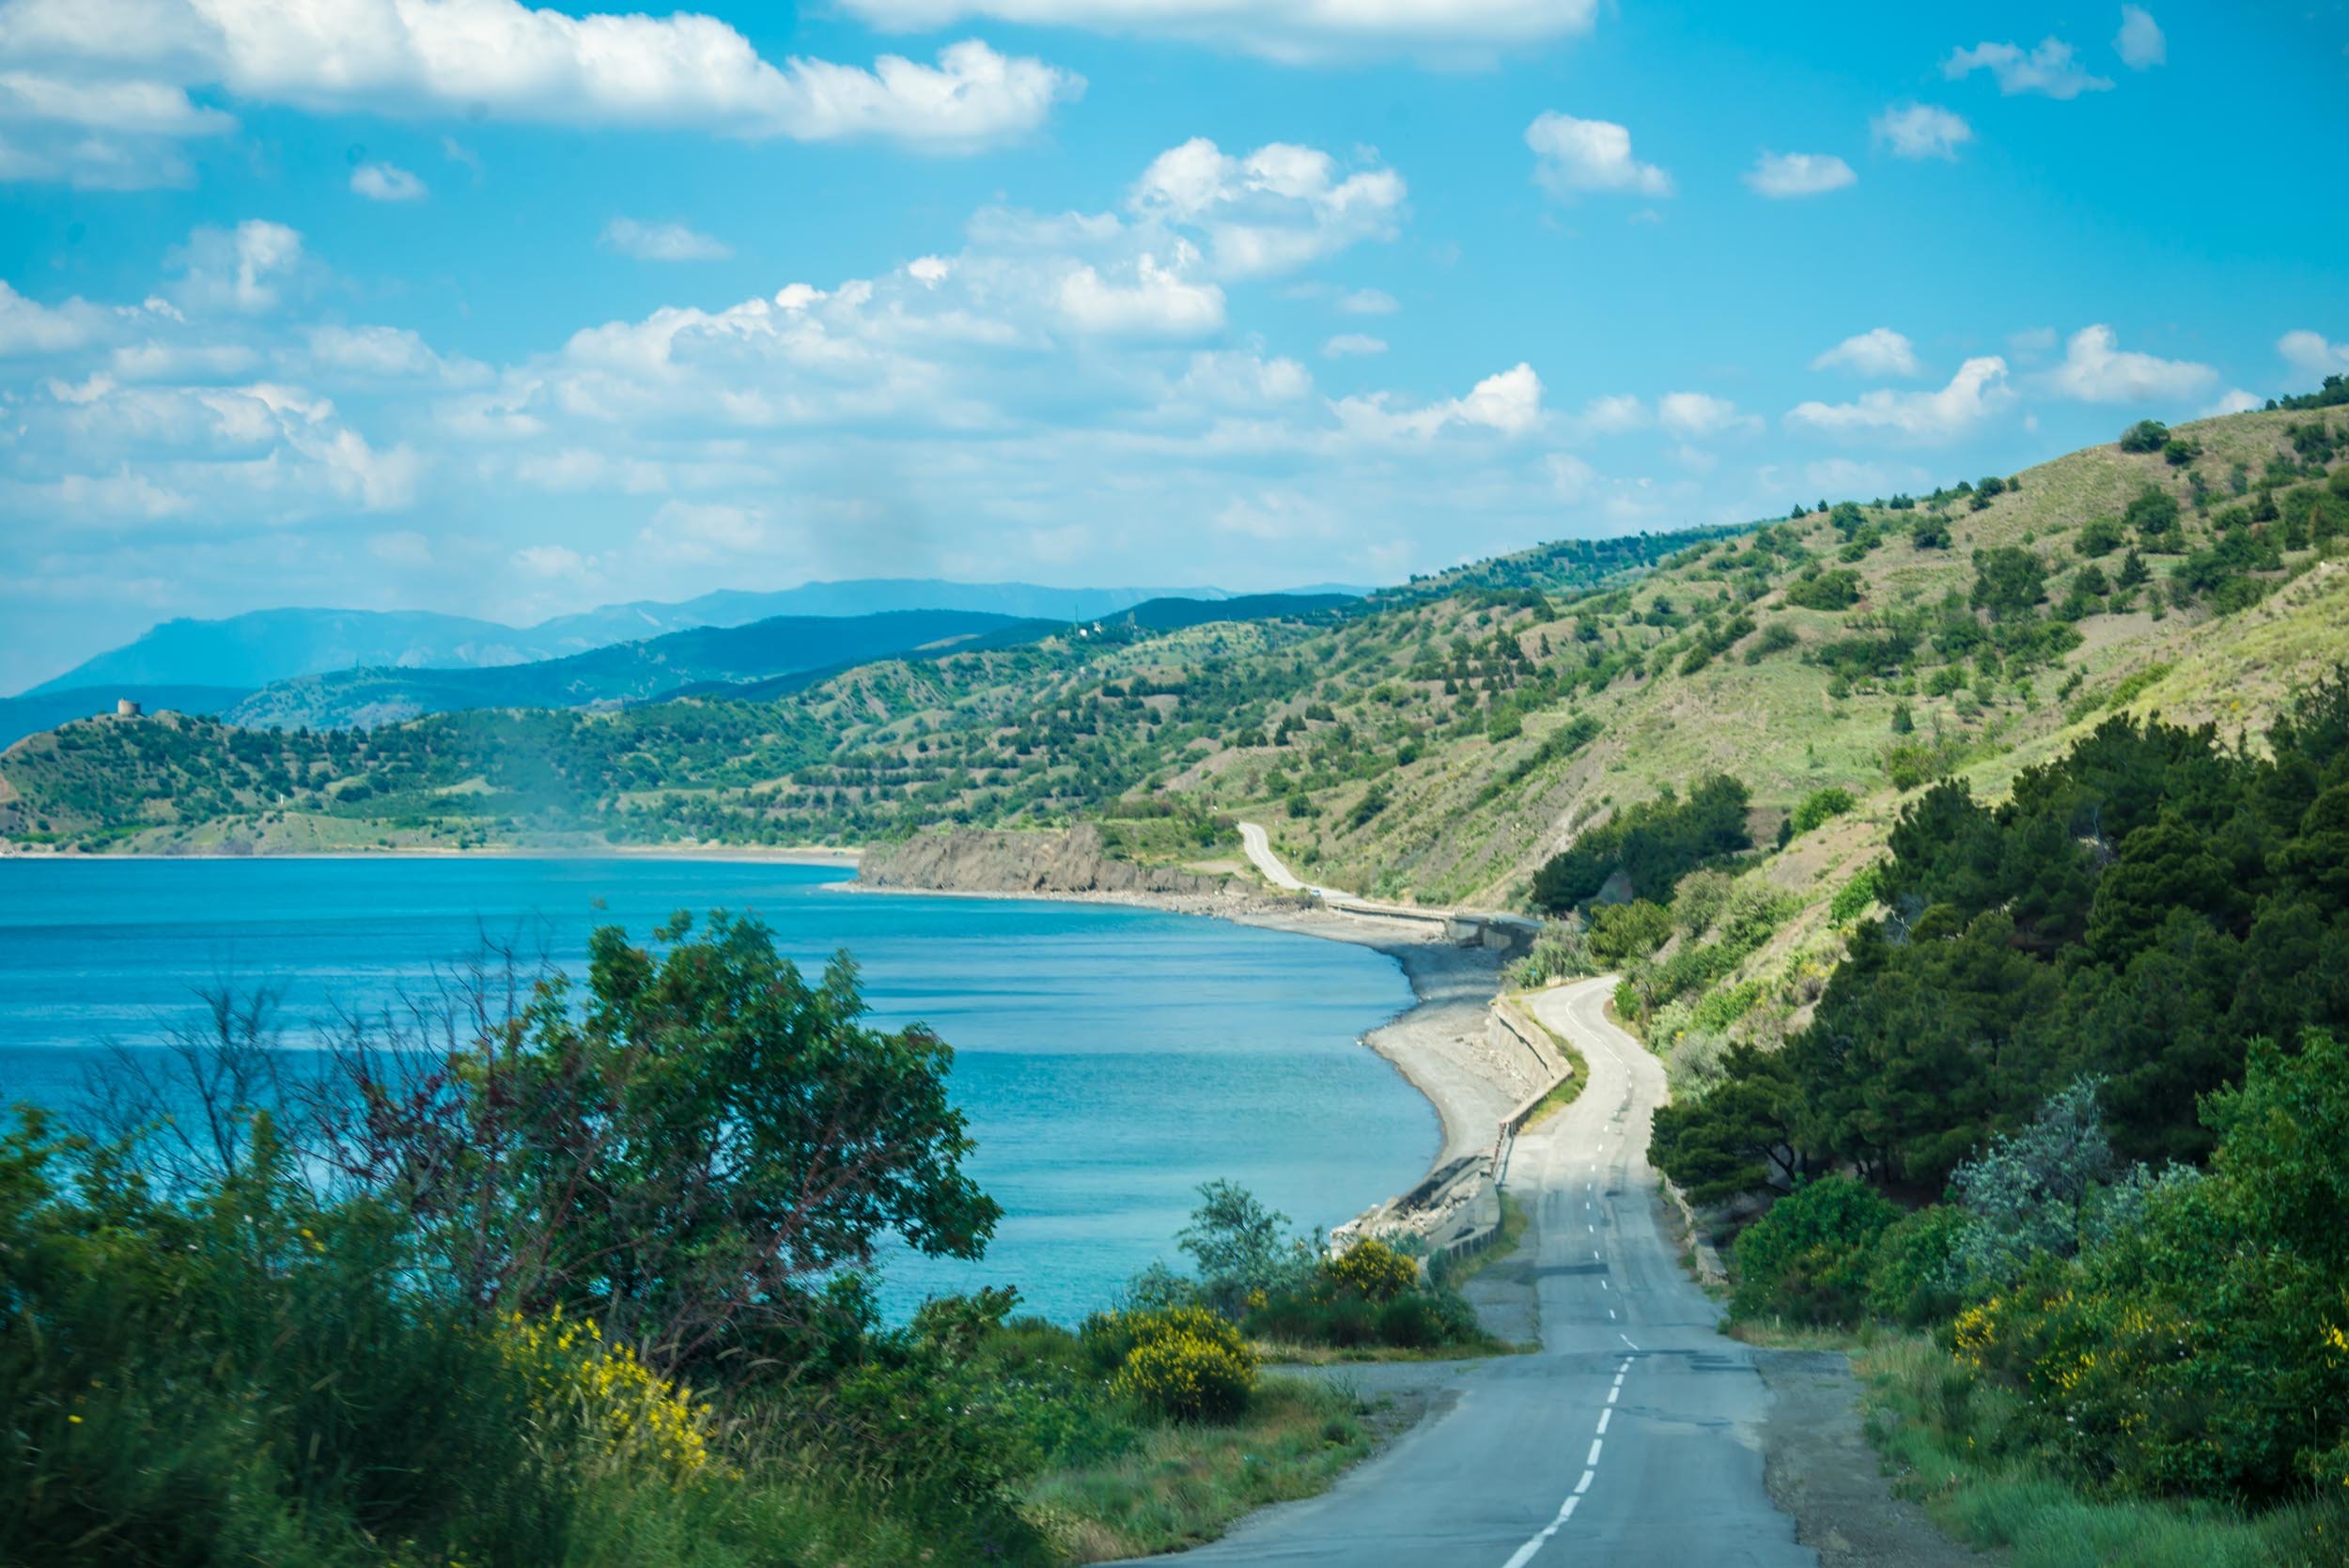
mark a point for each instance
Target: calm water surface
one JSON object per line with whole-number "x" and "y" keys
{"x": 1110, "y": 1058}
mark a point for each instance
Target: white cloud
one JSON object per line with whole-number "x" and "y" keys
{"x": 2309, "y": 353}
{"x": 1877, "y": 351}
{"x": 1610, "y": 414}
{"x": 1509, "y": 402}
{"x": 2032, "y": 340}
{"x": 1570, "y": 477}
{"x": 2049, "y": 69}
{"x": 109, "y": 133}
{"x": 1572, "y": 156}
{"x": 2236, "y": 401}
{"x": 2140, "y": 43}
{"x": 1296, "y": 31}
{"x": 2096, "y": 370}
{"x": 1273, "y": 211}
{"x": 1159, "y": 301}
{"x": 1368, "y": 302}
{"x": 388, "y": 182}
{"x": 1700, "y": 415}
{"x": 504, "y": 60}
{"x": 662, "y": 242}
{"x": 1977, "y": 391}
{"x": 1920, "y": 131}
{"x": 550, "y": 561}
{"x": 244, "y": 269}
{"x": 30, "y": 327}
{"x": 1347, "y": 345}
{"x": 1780, "y": 175}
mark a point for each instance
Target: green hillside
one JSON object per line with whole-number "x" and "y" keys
{"x": 1436, "y": 741}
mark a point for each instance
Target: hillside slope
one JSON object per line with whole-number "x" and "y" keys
{"x": 1435, "y": 741}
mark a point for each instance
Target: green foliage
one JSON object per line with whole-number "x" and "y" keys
{"x": 1242, "y": 1247}
{"x": 1181, "y": 1364}
{"x": 2099, "y": 536}
{"x": 1821, "y": 806}
{"x": 1623, "y": 932}
{"x": 2201, "y": 1350}
{"x": 1653, "y": 845}
{"x": 2135, "y": 911}
{"x": 1854, "y": 897}
{"x": 1911, "y": 1280}
{"x": 1816, "y": 589}
{"x": 2009, "y": 582}
{"x": 2146, "y": 435}
{"x": 1808, "y": 1260}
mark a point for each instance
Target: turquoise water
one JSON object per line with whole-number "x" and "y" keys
{"x": 1110, "y": 1058}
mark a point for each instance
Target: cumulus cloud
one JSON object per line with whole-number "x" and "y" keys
{"x": 107, "y": 134}
{"x": 1509, "y": 403}
{"x": 2049, "y": 69}
{"x": 1977, "y": 391}
{"x": 1920, "y": 131}
{"x": 1272, "y": 211}
{"x": 28, "y": 327}
{"x": 1780, "y": 175}
{"x": 2310, "y": 354}
{"x": 1574, "y": 156}
{"x": 1353, "y": 345}
{"x": 2097, "y": 370}
{"x": 662, "y": 242}
{"x": 1294, "y": 31}
{"x": 2140, "y": 43}
{"x": 1877, "y": 351}
{"x": 1700, "y": 415}
{"x": 388, "y": 182}
{"x": 504, "y": 60}
{"x": 241, "y": 268}
{"x": 1157, "y": 301}
{"x": 2236, "y": 401}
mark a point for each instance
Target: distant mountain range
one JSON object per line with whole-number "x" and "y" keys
{"x": 245, "y": 652}
{"x": 756, "y": 662}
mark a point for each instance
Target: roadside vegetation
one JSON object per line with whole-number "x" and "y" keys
{"x": 578, "y": 1276}
{"x": 2068, "y": 1133}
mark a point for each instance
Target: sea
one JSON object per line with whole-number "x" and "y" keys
{"x": 1110, "y": 1058}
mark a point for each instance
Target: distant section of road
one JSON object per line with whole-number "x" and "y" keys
{"x": 1631, "y": 1437}
{"x": 1259, "y": 845}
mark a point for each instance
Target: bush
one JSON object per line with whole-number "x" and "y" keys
{"x": 1809, "y": 1257}
{"x": 1622, "y": 932}
{"x": 1821, "y": 806}
{"x": 2146, "y": 435}
{"x": 1371, "y": 1269}
{"x": 1186, "y": 1376}
{"x": 1824, "y": 590}
{"x": 1913, "y": 1277}
{"x": 2099, "y": 536}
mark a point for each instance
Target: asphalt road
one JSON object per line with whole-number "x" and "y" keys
{"x": 1631, "y": 1437}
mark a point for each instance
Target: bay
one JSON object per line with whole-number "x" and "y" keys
{"x": 1110, "y": 1058}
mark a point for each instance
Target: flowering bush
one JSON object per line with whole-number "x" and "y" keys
{"x": 1190, "y": 1376}
{"x": 1369, "y": 1268}
{"x": 622, "y": 1408}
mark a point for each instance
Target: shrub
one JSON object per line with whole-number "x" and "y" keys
{"x": 1371, "y": 1269}
{"x": 1622, "y": 932}
{"x": 1186, "y": 1376}
{"x": 2146, "y": 435}
{"x": 1809, "y": 1257}
{"x": 1821, "y": 806}
{"x": 1853, "y": 898}
{"x": 1824, "y": 590}
{"x": 2099, "y": 536}
{"x": 1913, "y": 1277}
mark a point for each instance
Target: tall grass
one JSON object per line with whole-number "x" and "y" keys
{"x": 1949, "y": 1440}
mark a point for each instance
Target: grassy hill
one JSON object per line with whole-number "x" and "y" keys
{"x": 1435, "y": 741}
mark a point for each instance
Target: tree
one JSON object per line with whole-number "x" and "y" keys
{"x": 2009, "y": 582}
{"x": 2146, "y": 435}
{"x": 689, "y": 1156}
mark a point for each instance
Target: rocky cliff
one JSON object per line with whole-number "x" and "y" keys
{"x": 988, "y": 860}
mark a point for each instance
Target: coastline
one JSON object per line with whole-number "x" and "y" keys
{"x": 792, "y": 854}
{"x": 1437, "y": 1044}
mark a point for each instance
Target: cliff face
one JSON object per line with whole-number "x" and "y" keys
{"x": 990, "y": 860}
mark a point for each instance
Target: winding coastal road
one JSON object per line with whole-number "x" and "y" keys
{"x": 1630, "y": 1438}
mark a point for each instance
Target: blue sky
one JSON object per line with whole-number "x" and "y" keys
{"x": 463, "y": 305}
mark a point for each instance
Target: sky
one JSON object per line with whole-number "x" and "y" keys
{"x": 468, "y": 306}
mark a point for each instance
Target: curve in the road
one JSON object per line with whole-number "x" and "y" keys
{"x": 1632, "y": 1436}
